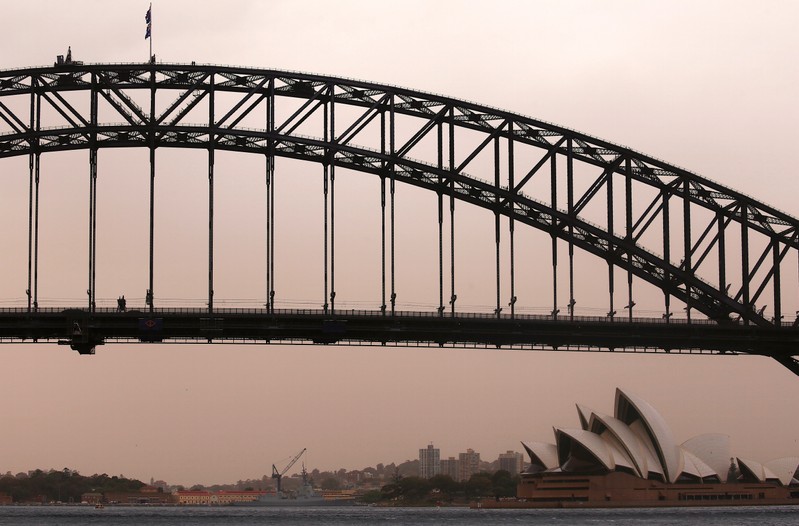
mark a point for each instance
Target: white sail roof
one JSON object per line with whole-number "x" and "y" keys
{"x": 652, "y": 462}
{"x": 542, "y": 454}
{"x": 617, "y": 450}
{"x": 784, "y": 468}
{"x": 591, "y": 442}
{"x": 638, "y": 440}
{"x": 584, "y": 414}
{"x": 693, "y": 465}
{"x": 756, "y": 470}
{"x": 626, "y": 437}
{"x": 630, "y": 408}
{"x": 713, "y": 449}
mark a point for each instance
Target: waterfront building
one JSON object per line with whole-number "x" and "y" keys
{"x": 193, "y": 498}
{"x": 468, "y": 464}
{"x": 450, "y": 468}
{"x": 223, "y": 497}
{"x": 429, "y": 462}
{"x": 632, "y": 458}
{"x": 512, "y": 462}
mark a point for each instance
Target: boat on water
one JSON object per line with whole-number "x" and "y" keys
{"x": 305, "y": 495}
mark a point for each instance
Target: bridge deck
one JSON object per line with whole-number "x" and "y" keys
{"x": 84, "y": 330}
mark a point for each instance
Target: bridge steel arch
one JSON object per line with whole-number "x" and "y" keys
{"x": 732, "y": 249}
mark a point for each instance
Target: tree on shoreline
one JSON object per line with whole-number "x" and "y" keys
{"x": 442, "y": 488}
{"x": 63, "y": 486}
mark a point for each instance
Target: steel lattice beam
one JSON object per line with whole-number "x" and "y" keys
{"x": 620, "y": 174}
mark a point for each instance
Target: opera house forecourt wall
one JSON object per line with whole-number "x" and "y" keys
{"x": 631, "y": 459}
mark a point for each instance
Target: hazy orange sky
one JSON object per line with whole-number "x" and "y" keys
{"x": 707, "y": 86}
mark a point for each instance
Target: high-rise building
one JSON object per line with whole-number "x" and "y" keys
{"x": 511, "y": 462}
{"x": 429, "y": 462}
{"x": 468, "y": 464}
{"x": 449, "y": 467}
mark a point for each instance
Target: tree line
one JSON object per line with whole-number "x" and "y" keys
{"x": 62, "y": 486}
{"x": 444, "y": 489}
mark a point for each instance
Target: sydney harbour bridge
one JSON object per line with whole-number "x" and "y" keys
{"x": 724, "y": 264}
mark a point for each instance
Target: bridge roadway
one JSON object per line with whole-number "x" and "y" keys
{"x": 83, "y": 330}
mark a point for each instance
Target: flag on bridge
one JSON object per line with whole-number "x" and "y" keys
{"x": 149, "y": 19}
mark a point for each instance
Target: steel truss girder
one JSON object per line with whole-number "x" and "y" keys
{"x": 196, "y": 82}
{"x": 406, "y": 328}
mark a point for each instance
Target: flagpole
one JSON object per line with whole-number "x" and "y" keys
{"x": 151, "y": 33}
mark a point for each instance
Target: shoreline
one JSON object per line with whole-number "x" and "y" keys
{"x": 522, "y": 504}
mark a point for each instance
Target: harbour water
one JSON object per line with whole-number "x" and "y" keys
{"x": 762, "y": 516}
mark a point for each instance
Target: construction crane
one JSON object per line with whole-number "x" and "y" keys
{"x": 279, "y": 474}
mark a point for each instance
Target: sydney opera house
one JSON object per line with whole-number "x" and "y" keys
{"x": 632, "y": 459}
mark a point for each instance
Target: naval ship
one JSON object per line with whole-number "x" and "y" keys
{"x": 305, "y": 495}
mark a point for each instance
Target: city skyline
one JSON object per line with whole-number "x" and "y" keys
{"x": 511, "y": 461}
{"x": 708, "y": 87}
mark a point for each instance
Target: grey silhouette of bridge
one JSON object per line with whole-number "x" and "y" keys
{"x": 717, "y": 256}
